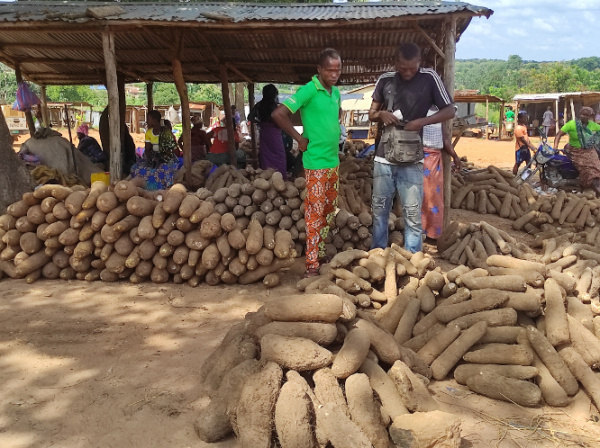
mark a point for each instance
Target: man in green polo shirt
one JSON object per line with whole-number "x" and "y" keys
{"x": 319, "y": 104}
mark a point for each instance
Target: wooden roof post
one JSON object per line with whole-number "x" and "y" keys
{"x": 28, "y": 116}
{"x": 149, "y": 96}
{"x": 487, "y": 114}
{"x": 449, "y": 70}
{"x": 556, "y": 118}
{"x": 185, "y": 107}
{"x": 114, "y": 117}
{"x": 44, "y": 106}
{"x": 501, "y": 121}
{"x": 251, "y": 102}
{"x": 228, "y": 117}
{"x": 573, "y": 117}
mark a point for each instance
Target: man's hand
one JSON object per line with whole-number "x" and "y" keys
{"x": 388, "y": 118}
{"x": 457, "y": 162}
{"x": 413, "y": 125}
{"x": 303, "y": 144}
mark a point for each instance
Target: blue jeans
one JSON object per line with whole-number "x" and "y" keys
{"x": 407, "y": 180}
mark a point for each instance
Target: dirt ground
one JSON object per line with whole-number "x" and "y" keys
{"x": 117, "y": 365}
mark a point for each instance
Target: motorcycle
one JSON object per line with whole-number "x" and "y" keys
{"x": 556, "y": 169}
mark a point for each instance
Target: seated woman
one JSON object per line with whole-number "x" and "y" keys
{"x": 584, "y": 141}
{"x": 272, "y": 152}
{"x": 219, "y": 150}
{"x": 200, "y": 140}
{"x": 89, "y": 146}
{"x": 160, "y": 161}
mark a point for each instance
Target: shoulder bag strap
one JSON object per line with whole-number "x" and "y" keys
{"x": 392, "y": 94}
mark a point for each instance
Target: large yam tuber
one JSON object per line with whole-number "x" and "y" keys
{"x": 305, "y": 308}
{"x": 412, "y": 389}
{"x": 213, "y": 423}
{"x": 293, "y": 417}
{"x": 352, "y": 354}
{"x": 455, "y": 351}
{"x": 464, "y": 371}
{"x": 294, "y": 353}
{"x": 385, "y": 388}
{"x": 254, "y": 414}
{"x": 503, "y": 388}
{"x": 364, "y": 410}
{"x": 321, "y": 333}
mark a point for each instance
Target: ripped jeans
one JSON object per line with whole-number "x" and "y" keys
{"x": 407, "y": 180}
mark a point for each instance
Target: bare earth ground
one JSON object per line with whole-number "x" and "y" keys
{"x": 117, "y": 365}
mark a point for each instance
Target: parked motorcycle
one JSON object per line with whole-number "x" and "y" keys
{"x": 556, "y": 169}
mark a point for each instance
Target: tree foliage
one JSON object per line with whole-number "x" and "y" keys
{"x": 513, "y": 76}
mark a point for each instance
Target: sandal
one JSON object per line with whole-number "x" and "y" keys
{"x": 311, "y": 272}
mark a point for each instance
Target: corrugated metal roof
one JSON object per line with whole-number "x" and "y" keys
{"x": 23, "y": 11}
{"x": 552, "y": 96}
{"x": 61, "y": 43}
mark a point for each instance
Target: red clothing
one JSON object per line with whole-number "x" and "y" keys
{"x": 220, "y": 142}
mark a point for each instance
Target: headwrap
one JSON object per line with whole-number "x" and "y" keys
{"x": 589, "y": 109}
{"x": 83, "y": 129}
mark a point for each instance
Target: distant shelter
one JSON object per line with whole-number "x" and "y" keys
{"x": 566, "y": 103}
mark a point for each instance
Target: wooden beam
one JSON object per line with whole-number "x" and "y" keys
{"x": 449, "y": 71}
{"x": 431, "y": 42}
{"x": 251, "y": 101}
{"x": 185, "y": 106}
{"x": 44, "y": 106}
{"x": 228, "y": 117}
{"x": 237, "y": 72}
{"x": 150, "y": 96}
{"x": 501, "y": 121}
{"x": 70, "y": 62}
{"x": 556, "y": 119}
{"x": 28, "y": 116}
{"x": 40, "y": 47}
{"x": 108, "y": 43}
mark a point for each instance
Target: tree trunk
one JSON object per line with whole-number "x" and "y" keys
{"x": 14, "y": 175}
{"x": 239, "y": 100}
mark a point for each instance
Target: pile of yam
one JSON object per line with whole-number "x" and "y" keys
{"x": 353, "y": 147}
{"x": 121, "y": 232}
{"x": 492, "y": 191}
{"x": 471, "y": 244}
{"x": 352, "y": 226}
{"x": 305, "y": 371}
{"x": 495, "y": 191}
{"x": 375, "y": 278}
{"x": 510, "y": 329}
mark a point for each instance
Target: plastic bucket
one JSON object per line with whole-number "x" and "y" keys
{"x": 103, "y": 177}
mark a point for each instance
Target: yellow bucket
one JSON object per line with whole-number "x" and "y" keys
{"x": 103, "y": 177}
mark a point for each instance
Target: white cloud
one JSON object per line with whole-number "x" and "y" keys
{"x": 543, "y": 25}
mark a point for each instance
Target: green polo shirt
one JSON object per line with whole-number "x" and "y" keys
{"x": 319, "y": 111}
{"x": 570, "y": 128}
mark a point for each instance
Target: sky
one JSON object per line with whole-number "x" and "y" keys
{"x": 538, "y": 30}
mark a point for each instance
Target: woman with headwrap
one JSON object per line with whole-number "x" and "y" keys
{"x": 89, "y": 146}
{"x": 584, "y": 142}
{"x": 272, "y": 151}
